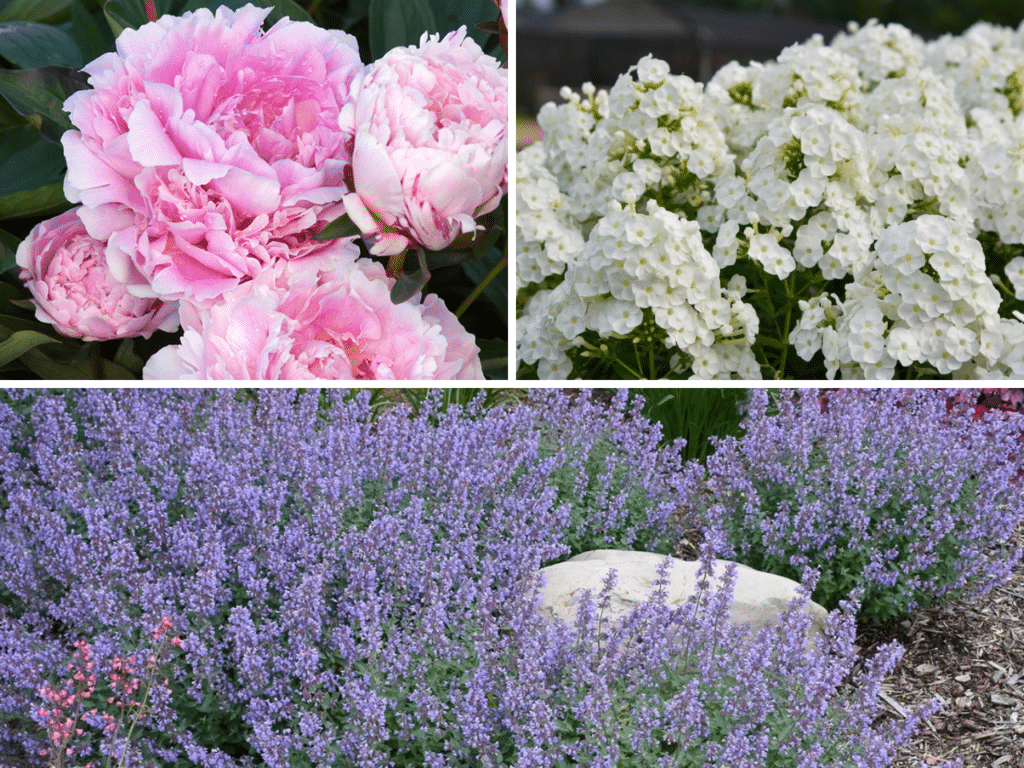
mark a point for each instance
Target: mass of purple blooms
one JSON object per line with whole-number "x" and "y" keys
{"x": 907, "y": 497}
{"x": 359, "y": 589}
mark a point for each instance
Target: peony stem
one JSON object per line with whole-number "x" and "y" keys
{"x": 395, "y": 264}
{"x": 502, "y": 263}
{"x": 150, "y": 9}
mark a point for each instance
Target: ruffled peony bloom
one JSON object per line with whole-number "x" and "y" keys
{"x": 429, "y": 138}
{"x": 207, "y": 149}
{"x": 323, "y": 317}
{"x": 72, "y": 288}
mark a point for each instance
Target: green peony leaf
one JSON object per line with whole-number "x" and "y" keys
{"x": 39, "y": 95}
{"x": 28, "y": 45}
{"x": 280, "y": 8}
{"x": 396, "y": 23}
{"x": 42, "y": 201}
{"x": 93, "y": 39}
{"x": 27, "y": 162}
{"x": 411, "y": 284}
{"x": 342, "y": 226}
{"x": 496, "y": 289}
{"x": 18, "y": 343}
{"x": 450, "y": 16}
{"x": 494, "y": 357}
{"x": 131, "y": 14}
{"x": 35, "y": 10}
{"x": 8, "y": 248}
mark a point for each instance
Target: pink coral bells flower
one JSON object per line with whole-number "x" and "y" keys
{"x": 429, "y": 128}
{"x": 66, "y": 272}
{"x": 207, "y": 149}
{"x": 323, "y": 317}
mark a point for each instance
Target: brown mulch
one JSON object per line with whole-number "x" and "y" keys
{"x": 968, "y": 654}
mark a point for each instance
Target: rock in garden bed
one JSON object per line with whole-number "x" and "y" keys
{"x": 758, "y": 599}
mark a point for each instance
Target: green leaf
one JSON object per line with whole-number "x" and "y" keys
{"x": 494, "y": 357}
{"x": 39, "y": 95}
{"x": 43, "y": 201}
{"x": 439, "y": 259}
{"x": 27, "y": 161}
{"x": 8, "y": 248}
{"x": 127, "y": 357}
{"x": 395, "y": 23}
{"x": 29, "y": 44}
{"x": 93, "y": 39}
{"x": 496, "y": 290}
{"x": 452, "y": 14}
{"x": 71, "y": 359}
{"x": 20, "y": 342}
{"x": 343, "y": 226}
{"x": 408, "y": 286}
{"x": 488, "y": 241}
{"x": 131, "y": 14}
{"x": 36, "y": 10}
{"x": 281, "y": 8}
{"x": 12, "y": 323}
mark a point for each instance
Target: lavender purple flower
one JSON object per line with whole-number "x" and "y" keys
{"x": 361, "y": 589}
{"x": 903, "y": 496}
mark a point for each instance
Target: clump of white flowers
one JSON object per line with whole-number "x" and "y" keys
{"x": 854, "y": 209}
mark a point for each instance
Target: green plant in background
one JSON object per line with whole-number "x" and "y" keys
{"x": 695, "y": 415}
{"x": 449, "y": 396}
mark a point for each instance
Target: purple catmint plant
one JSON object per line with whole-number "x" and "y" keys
{"x": 903, "y": 496}
{"x": 360, "y": 589}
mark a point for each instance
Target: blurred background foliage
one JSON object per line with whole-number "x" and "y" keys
{"x": 923, "y": 16}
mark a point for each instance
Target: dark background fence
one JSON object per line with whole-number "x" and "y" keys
{"x": 576, "y": 43}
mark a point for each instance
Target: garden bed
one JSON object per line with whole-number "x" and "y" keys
{"x": 350, "y": 583}
{"x": 970, "y": 655}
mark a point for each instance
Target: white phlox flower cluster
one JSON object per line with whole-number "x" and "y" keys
{"x": 925, "y": 299}
{"x": 874, "y": 186}
{"x": 614, "y": 256}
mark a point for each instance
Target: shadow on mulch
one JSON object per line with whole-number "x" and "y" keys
{"x": 969, "y": 655}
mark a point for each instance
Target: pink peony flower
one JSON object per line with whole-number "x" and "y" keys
{"x": 207, "y": 149}
{"x": 66, "y": 271}
{"x": 322, "y": 317}
{"x": 429, "y": 138}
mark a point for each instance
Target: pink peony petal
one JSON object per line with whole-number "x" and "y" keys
{"x": 66, "y": 271}
{"x": 148, "y": 140}
{"x": 185, "y": 128}
{"x": 376, "y": 180}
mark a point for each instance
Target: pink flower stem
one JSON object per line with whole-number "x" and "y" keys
{"x": 395, "y": 264}
{"x": 150, "y": 9}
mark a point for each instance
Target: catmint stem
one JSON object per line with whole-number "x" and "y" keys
{"x": 150, "y": 10}
{"x": 502, "y": 263}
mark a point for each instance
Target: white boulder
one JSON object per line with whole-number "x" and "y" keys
{"x": 758, "y": 600}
